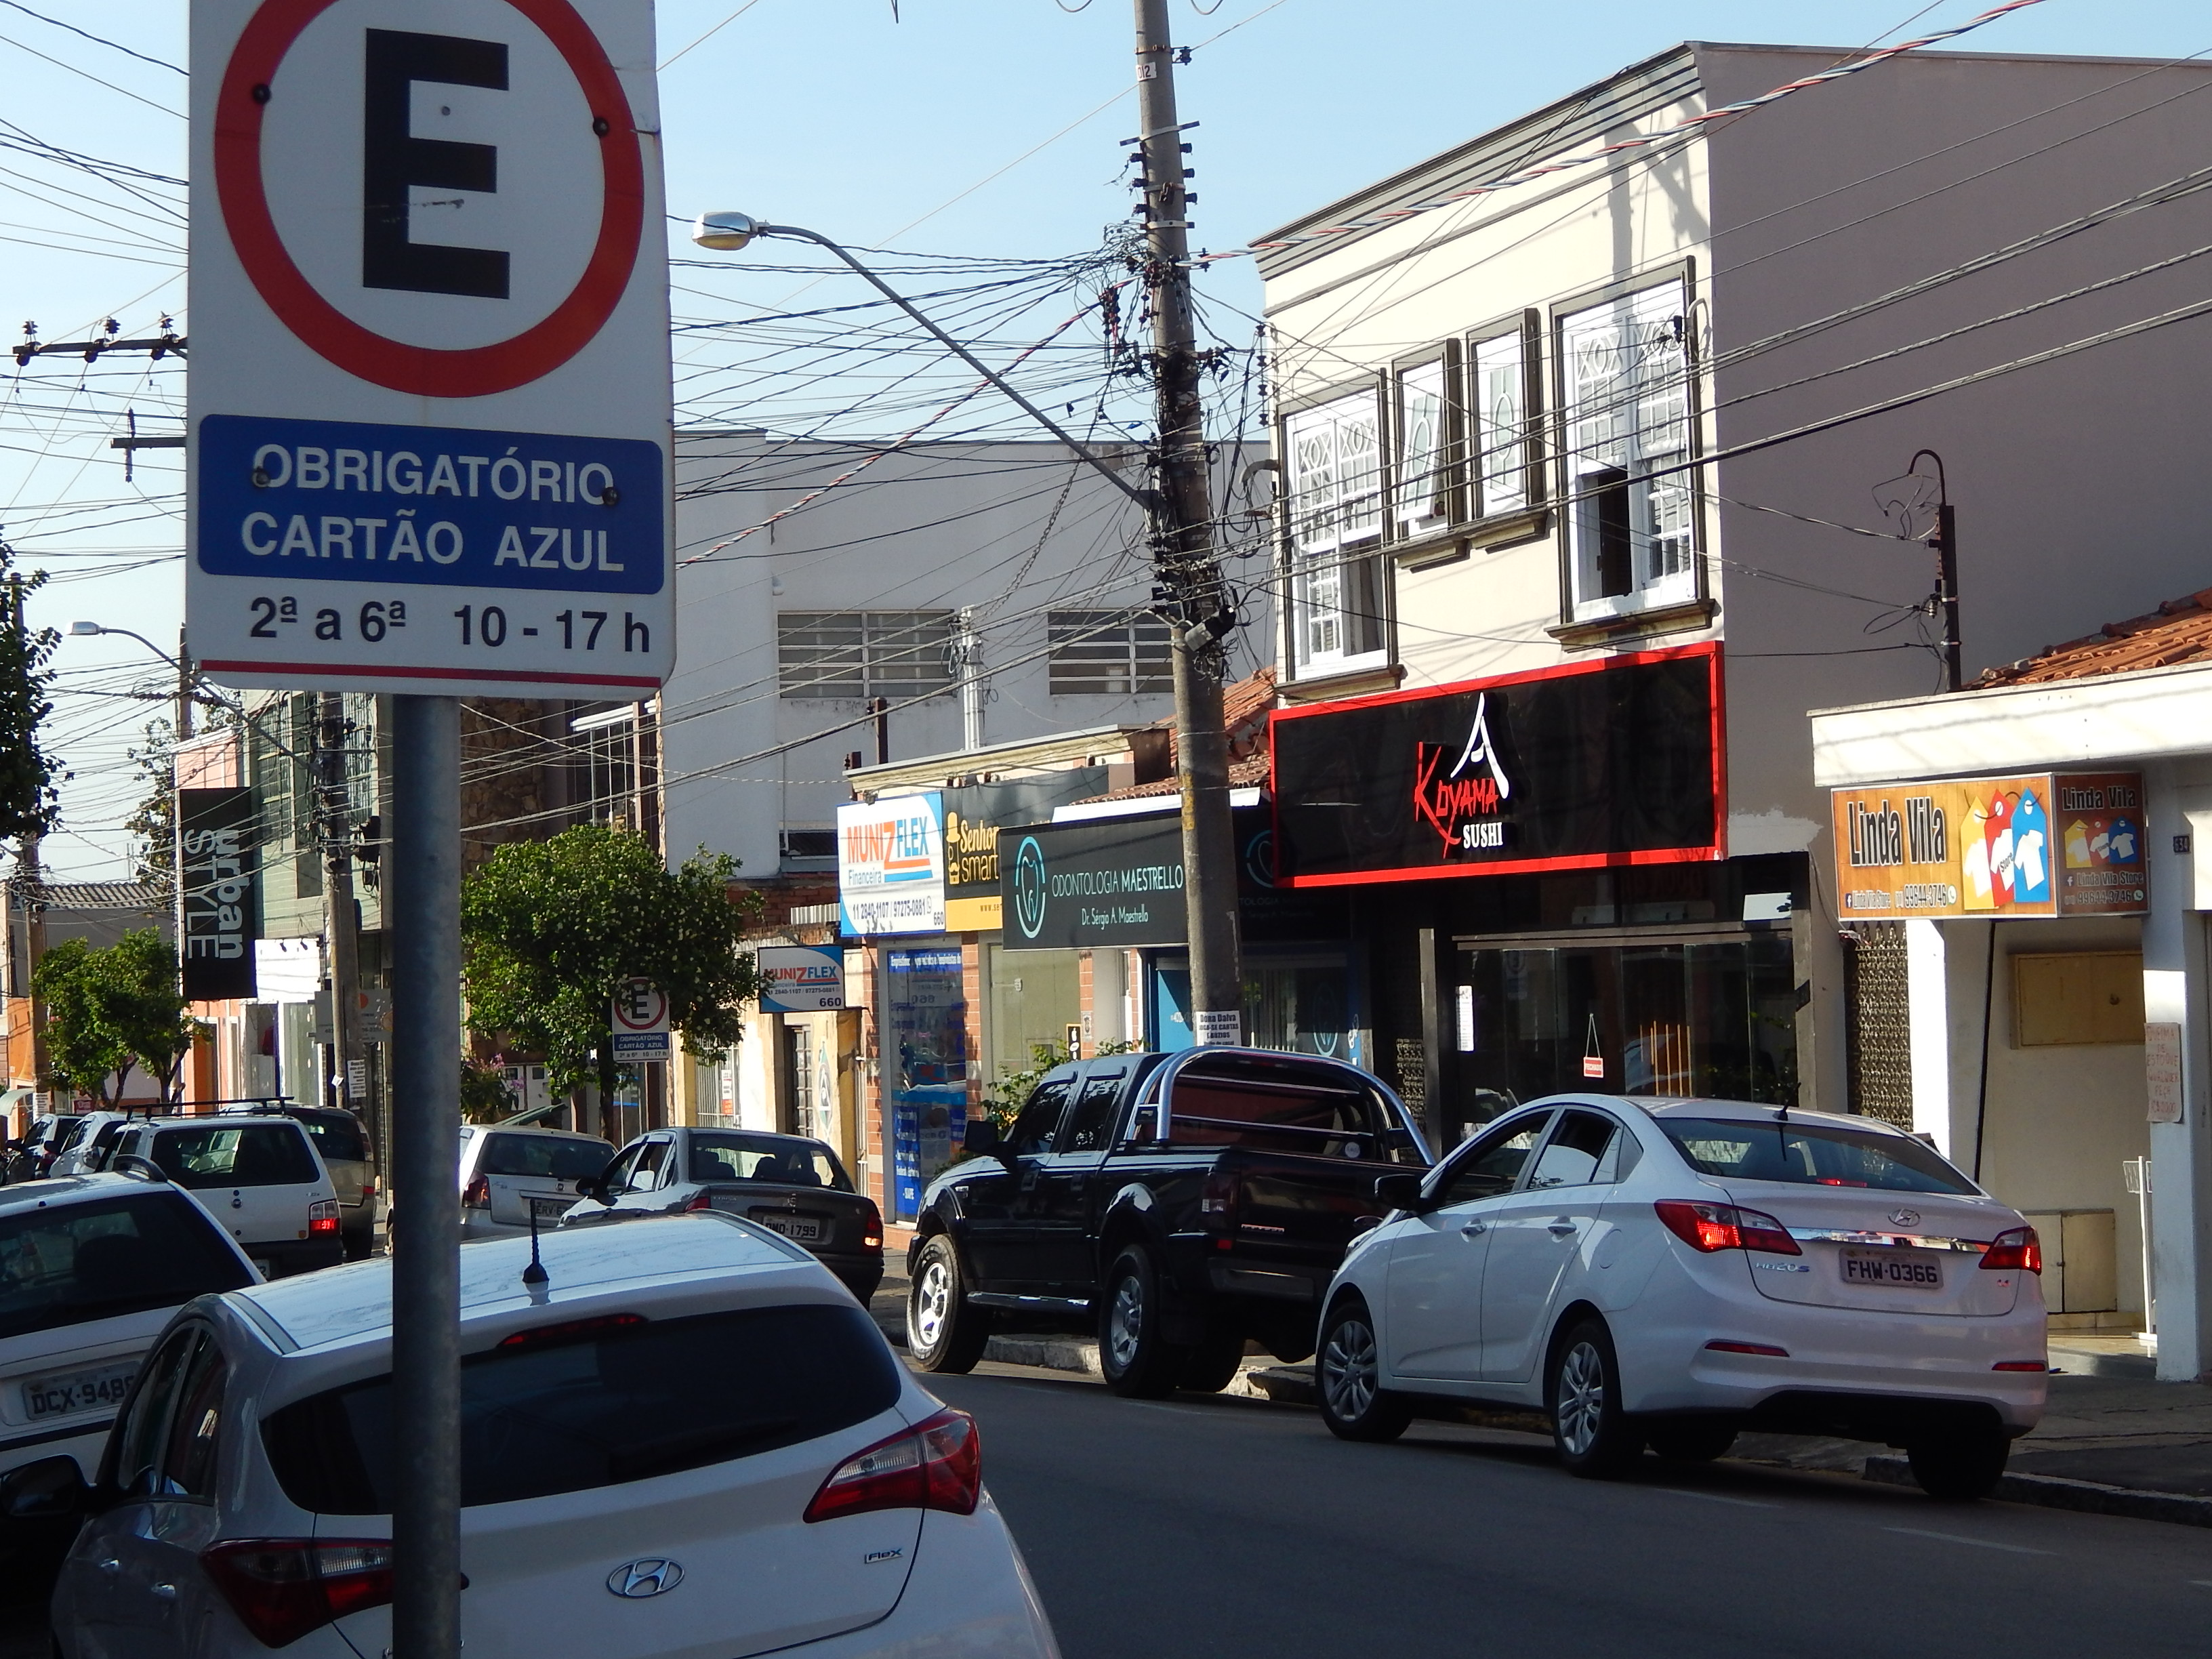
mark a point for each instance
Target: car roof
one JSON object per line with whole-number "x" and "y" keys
{"x": 663, "y": 1256}
{"x": 1727, "y": 1111}
{"x": 531, "y": 1130}
{"x": 52, "y": 1190}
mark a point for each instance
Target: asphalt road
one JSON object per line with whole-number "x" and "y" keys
{"x": 1218, "y": 1528}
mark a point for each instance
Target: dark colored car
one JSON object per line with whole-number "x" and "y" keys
{"x": 30, "y": 1158}
{"x": 1177, "y": 1204}
{"x": 786, "y": 1183}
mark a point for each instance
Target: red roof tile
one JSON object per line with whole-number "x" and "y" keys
{"x": 2178, "y": 631}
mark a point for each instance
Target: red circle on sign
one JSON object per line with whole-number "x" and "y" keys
{"x": 428, "y": 371}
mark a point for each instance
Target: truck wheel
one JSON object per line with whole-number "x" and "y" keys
{"x": 1960, "y": 1464}
{"x": 943, "y": 1333}
{"x": 1211, "y": 1366}
{"x": 1348, "y": 1372}
{"x": 1595, "y": 1438}
{"x": 1138, "y": 1363}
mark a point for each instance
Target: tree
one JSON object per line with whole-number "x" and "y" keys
{"x": 111, "y": 1008}
{"x": 30, "y": 780}
{"x": 551, "y": 929}
{"x": 153, "y": 823}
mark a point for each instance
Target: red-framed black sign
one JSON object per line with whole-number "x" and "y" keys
{"x": 1613, "y": 761}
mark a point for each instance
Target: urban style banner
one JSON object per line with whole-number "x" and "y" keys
{"x": 1611, "y": 762}
{"x": 2048, "y": 844}
{"x": 217, "y": 872}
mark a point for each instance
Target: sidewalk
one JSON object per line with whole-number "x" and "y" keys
{"x": 2112, "y": 1441}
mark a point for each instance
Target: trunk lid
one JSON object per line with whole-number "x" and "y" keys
{"x": 513, "y": 1196}
{"x": 1882, "y": 1251}
{"x": 813, "y": 1217}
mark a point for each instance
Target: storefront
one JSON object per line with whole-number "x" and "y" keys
{"x": 1537, "y": 880}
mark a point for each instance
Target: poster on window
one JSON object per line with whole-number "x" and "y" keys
{"x": 2045, "y": 844}
{"x": 928, "y": 1022}
{"x": 1609, "y": 761}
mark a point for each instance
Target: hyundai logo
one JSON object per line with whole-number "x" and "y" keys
{"x": 1905, "y": 1217}
{"x": 635, "y": 1580}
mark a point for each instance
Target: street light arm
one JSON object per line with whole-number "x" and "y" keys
{"x": 1142, "y": 497}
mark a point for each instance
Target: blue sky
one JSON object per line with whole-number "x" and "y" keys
{"x": 832, "y": 114}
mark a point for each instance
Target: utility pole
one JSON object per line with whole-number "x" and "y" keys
{"x": 1191, "y": 592}
{"x": 31, "y": 878}
{"x": 1945, "y": 541}
{"x": 341, "y": 926}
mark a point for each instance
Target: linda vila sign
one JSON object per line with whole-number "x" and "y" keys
{"x": 1615, "y": 761}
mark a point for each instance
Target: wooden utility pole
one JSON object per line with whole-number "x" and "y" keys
{"x": 1193, "y": 598}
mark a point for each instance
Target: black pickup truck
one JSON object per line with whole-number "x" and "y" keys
{"x": 1175, "y": 1204}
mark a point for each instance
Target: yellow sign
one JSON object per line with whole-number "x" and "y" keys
{"x": 2063, "y": 844}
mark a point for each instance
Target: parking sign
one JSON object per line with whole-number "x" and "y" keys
{"x": 429, "y": 414}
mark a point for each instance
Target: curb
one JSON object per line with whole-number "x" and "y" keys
{"x": 2082, "y": 1362}
{"x": 2058, "y": 1493}
{"x": 1052, "y": 1353}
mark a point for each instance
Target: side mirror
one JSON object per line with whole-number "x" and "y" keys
{"x": 51, "y": 1489}
{"x": 1399, "y": 1190}
{"x": 590, "y": 1187}
{"x": 981, "y": 1139}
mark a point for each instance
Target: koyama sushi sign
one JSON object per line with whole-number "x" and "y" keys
{"x": 2051, "y": 844}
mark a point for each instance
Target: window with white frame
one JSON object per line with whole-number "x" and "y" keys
{"x": 1625, "y": 369}
{"x": 1334, "y": 501}
{"x": 1107, "y": 654}
{"x": 863, "y": 653}
{"x": 1497, "y": 395}
{"x": 1420, "y": 451}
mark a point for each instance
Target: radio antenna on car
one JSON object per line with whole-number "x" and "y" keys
{"x": 534, "y": 1274}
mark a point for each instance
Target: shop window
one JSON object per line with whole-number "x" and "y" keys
{"x": 1625, "y": 371}
{"x": 1034, "y": 996}
{"x": 1107, "y": 654}
{"x": 1334, "y": 501}
{"x": 1423, "y": 479}
{"x": 859, "y": 654}
{"x": 1715, "y": 1019}
{"x": 1501, "y": 404}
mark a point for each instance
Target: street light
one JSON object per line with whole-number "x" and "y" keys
{"x": 732, "y": 233}
{"x": 182, "y": 662}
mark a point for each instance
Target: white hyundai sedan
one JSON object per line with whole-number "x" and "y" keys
{"x": 689, "y": 1442}
{"x": 1667, "y": 1272}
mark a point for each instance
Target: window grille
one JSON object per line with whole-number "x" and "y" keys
{"x": 1107, "y": 654}
{"x": 859, "y": 654}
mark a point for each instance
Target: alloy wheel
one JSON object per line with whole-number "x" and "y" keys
{"x": 1125, "y": 1322}
{"x": 1580, "y": 1407}
{"x": 1348, "y": 1369}
{"x": 933, "y": 1300}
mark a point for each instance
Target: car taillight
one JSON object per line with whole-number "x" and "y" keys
{"x": 936, "y": 1466}
{"x": 871, "y": 1226}
{"x": 2020, "y": 1249}
{"x": 369, "y": 1189}
{"x": 702, "y": 1199}
{"x": 322, "y": 1217}
{"x": 282, "y": 1588}
{"x": 1709, "y": 1227}
{"x": 1217, "y": 1201}
{"x": 478, "y": 1195}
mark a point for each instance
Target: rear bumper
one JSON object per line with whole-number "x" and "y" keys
{"x": 859, "y": 1271}
{"x": 969, "y": 1597}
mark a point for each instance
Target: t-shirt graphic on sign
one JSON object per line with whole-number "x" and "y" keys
{"x": 2031, "y": 851}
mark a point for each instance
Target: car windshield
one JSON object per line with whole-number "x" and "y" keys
{"x": 1814, "y": 1155}
{"x": 100, "y": 1259}
{"x": 777, "y": 1159}
{"x": 612, "y": 1402}
{"x": 238, "y": 1155}
{"x": 556, "y": 1156}
{"x": 338, "y": 1139}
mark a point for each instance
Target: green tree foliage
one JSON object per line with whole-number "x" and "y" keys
{"x": 110, "y": 1009}
{"x": 29, "y": 777}
{"x": 551, "y": 929}
{"x": 485, "y": 1097}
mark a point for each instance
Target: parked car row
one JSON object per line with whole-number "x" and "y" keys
{"x": 1649, "y": 1273}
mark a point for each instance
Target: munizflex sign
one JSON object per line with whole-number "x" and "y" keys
{"x": 429, "y": 414}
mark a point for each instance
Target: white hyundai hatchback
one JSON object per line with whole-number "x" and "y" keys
{"x": 689, "y": 1443}
{"x": 1667, "y": 1272}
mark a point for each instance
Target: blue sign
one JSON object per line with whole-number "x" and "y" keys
{"x": 339, "y": 501}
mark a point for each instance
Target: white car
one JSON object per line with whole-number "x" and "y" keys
{"x": 689, "y": 1441}
{"x": 90, "y": 1143}
{"x": 91, "y": 1268}
{"x": 261, "y": 1178}
{"x": 506, "y": 1173}
{"x": 1666, "y": 1272}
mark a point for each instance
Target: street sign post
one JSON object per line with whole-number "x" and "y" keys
{"x": 427, "y": 436}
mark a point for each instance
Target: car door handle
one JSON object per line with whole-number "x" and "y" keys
{"x": 1474, "y": 1230}
{"x": 1560, "y": 1226}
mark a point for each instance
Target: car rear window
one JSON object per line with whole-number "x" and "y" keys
{"x": 1285, "y": 1108}
{"x": 338, "y": 1141}
{"x": 611, "y": 1404}
{"x": 1812, "y": 1155}
{"x": 238, "y": 1155}
{"x": 545, "y": 1155}
{"x": 771, "y": 1158}
{"x": 108, "y": 1257}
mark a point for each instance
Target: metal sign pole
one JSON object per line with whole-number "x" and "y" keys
{"x": 426, "y": 1117}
